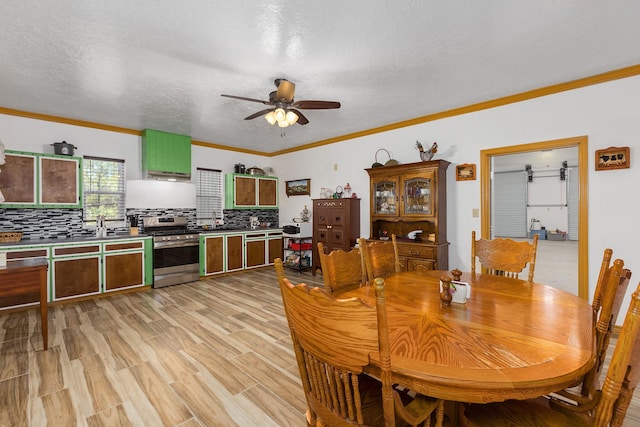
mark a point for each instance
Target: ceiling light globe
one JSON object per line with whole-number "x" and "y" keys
{"x": 292, "y": 117}
{"x": 280, "y": 114}
{"x": 283, "y": 123}
{"x": 271, "y": 117}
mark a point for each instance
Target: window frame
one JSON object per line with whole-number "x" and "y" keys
{"x": 120, "y": 219}
{"x": 217, "y": 205}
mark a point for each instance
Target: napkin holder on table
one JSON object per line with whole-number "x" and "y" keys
{"x": 460, "y": 291}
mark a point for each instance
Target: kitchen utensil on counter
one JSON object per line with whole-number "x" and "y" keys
{"x": 101, "y": 226}
{"x": 63, "y": 148}
{"x": 133, "y": 224}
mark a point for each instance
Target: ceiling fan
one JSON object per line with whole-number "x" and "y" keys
{"x": 284, "y": 110}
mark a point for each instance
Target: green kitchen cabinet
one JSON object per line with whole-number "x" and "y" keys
{"x": 165, "y": 153}
{"x": 86, "y": 267}
{"x": 229, "y": 251}
{"x": 34, "y": 180}
{"x": 250, "y": 192}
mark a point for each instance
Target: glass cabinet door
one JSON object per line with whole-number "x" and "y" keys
{"x": 417, "y": 196}
{"x": 385, "y": 196}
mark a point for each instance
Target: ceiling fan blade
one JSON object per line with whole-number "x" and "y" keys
{"x": 316, "y": 105}
{"x": 258, "y": 114}
{"x": 302, "y": 120}
{"x": 247, "y": 99}
{"x": 285, "y": 91}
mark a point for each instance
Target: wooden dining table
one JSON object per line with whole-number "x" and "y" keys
{"x": 512, "y": 339}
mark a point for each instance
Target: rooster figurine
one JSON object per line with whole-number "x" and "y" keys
{"x": 427, "y": 155}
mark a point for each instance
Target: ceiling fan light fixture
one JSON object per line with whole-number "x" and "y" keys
{"x": 283, "y": 123}
{"x": 280, "y": 114}
{"x": 271, "y": 117}
{"x": 291, "y": 117}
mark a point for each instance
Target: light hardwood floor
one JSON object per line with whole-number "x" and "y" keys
{"x": 211, "y": 353}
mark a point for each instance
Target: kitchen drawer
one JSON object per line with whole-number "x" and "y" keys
{"x": 76, "y": 250}
{"x": 108, "y": 247}
{"x": 416, "y": 251}
{"x": 28, "y": 253}
{"x": 415, "y": 264}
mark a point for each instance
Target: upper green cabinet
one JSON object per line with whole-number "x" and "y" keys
{"x": 250, "y": 192}
{"x": 166, "y": 154}
{"x": 34, "y": 180}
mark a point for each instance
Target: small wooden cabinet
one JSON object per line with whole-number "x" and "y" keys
{"x": 222, "y": 253}
{"x": 123, "y": 265}
{"x": 41, "y": 180}
{"x": 250, "y": 192}
{"x": 76, "y": 270}
{"x": 274, "y": 246}
{"x": 213, "y": 258}
{"x": 255, "y": 249}
{"x": 410, "y": 197}
{"x": 336, "y": 223}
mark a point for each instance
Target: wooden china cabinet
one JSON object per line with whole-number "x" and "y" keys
{"x": 336, "y": 223}
{"x": 410, "y": 197}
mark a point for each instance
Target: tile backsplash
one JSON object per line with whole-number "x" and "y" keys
{"x": 67, "y": 223}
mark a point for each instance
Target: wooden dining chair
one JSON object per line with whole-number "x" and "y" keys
{"x": 333, "y": 340}
{"x": 279, "y": 266}
{"x": 607, "y": 409}
{"x": 504, "y": 257}
{"x": 341, "y": 270}
{"x": 611, "y": 288}
{"x": 379, "y": 258}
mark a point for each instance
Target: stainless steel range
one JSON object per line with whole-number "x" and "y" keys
{"x": 176, "y": 255}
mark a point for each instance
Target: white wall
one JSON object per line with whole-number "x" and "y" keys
{"x": 606, "y": 113}
{"x": 25, "y": 134}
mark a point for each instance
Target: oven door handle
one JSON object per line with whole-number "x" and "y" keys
{"x": 176, "y": 244}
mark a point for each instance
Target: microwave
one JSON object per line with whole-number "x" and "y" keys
{"x": 300, "y": 229}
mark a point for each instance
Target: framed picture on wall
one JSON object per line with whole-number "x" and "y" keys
{"x": 299, "y": 187}
{"x": 466, "y": 172}
{"x": 612, "y": 158}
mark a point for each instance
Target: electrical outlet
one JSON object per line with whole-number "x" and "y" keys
{"x": 475, "y": 213}
{"x": 335, "y": 166}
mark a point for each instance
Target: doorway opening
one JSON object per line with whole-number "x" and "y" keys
{"x": 486, "y": 161}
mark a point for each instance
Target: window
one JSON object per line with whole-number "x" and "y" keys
{"x": 208, "y": 195}
{"x": 103, "y": 190}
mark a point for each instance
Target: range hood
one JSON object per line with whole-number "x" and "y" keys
{"x": 166, "y": 156}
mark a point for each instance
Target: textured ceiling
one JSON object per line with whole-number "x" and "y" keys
{"x": 163, "y": 64}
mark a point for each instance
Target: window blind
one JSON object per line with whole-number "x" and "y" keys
{"x": 103, "y": 182}
{"x": 208, "y": 195}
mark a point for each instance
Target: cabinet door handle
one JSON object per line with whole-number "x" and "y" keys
{"x": 328, "y": 226}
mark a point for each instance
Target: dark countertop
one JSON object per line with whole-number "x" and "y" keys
{"x": 31, "y": 242}
{"x": 119, "y": 236}
{"x": 239, "y": 230}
